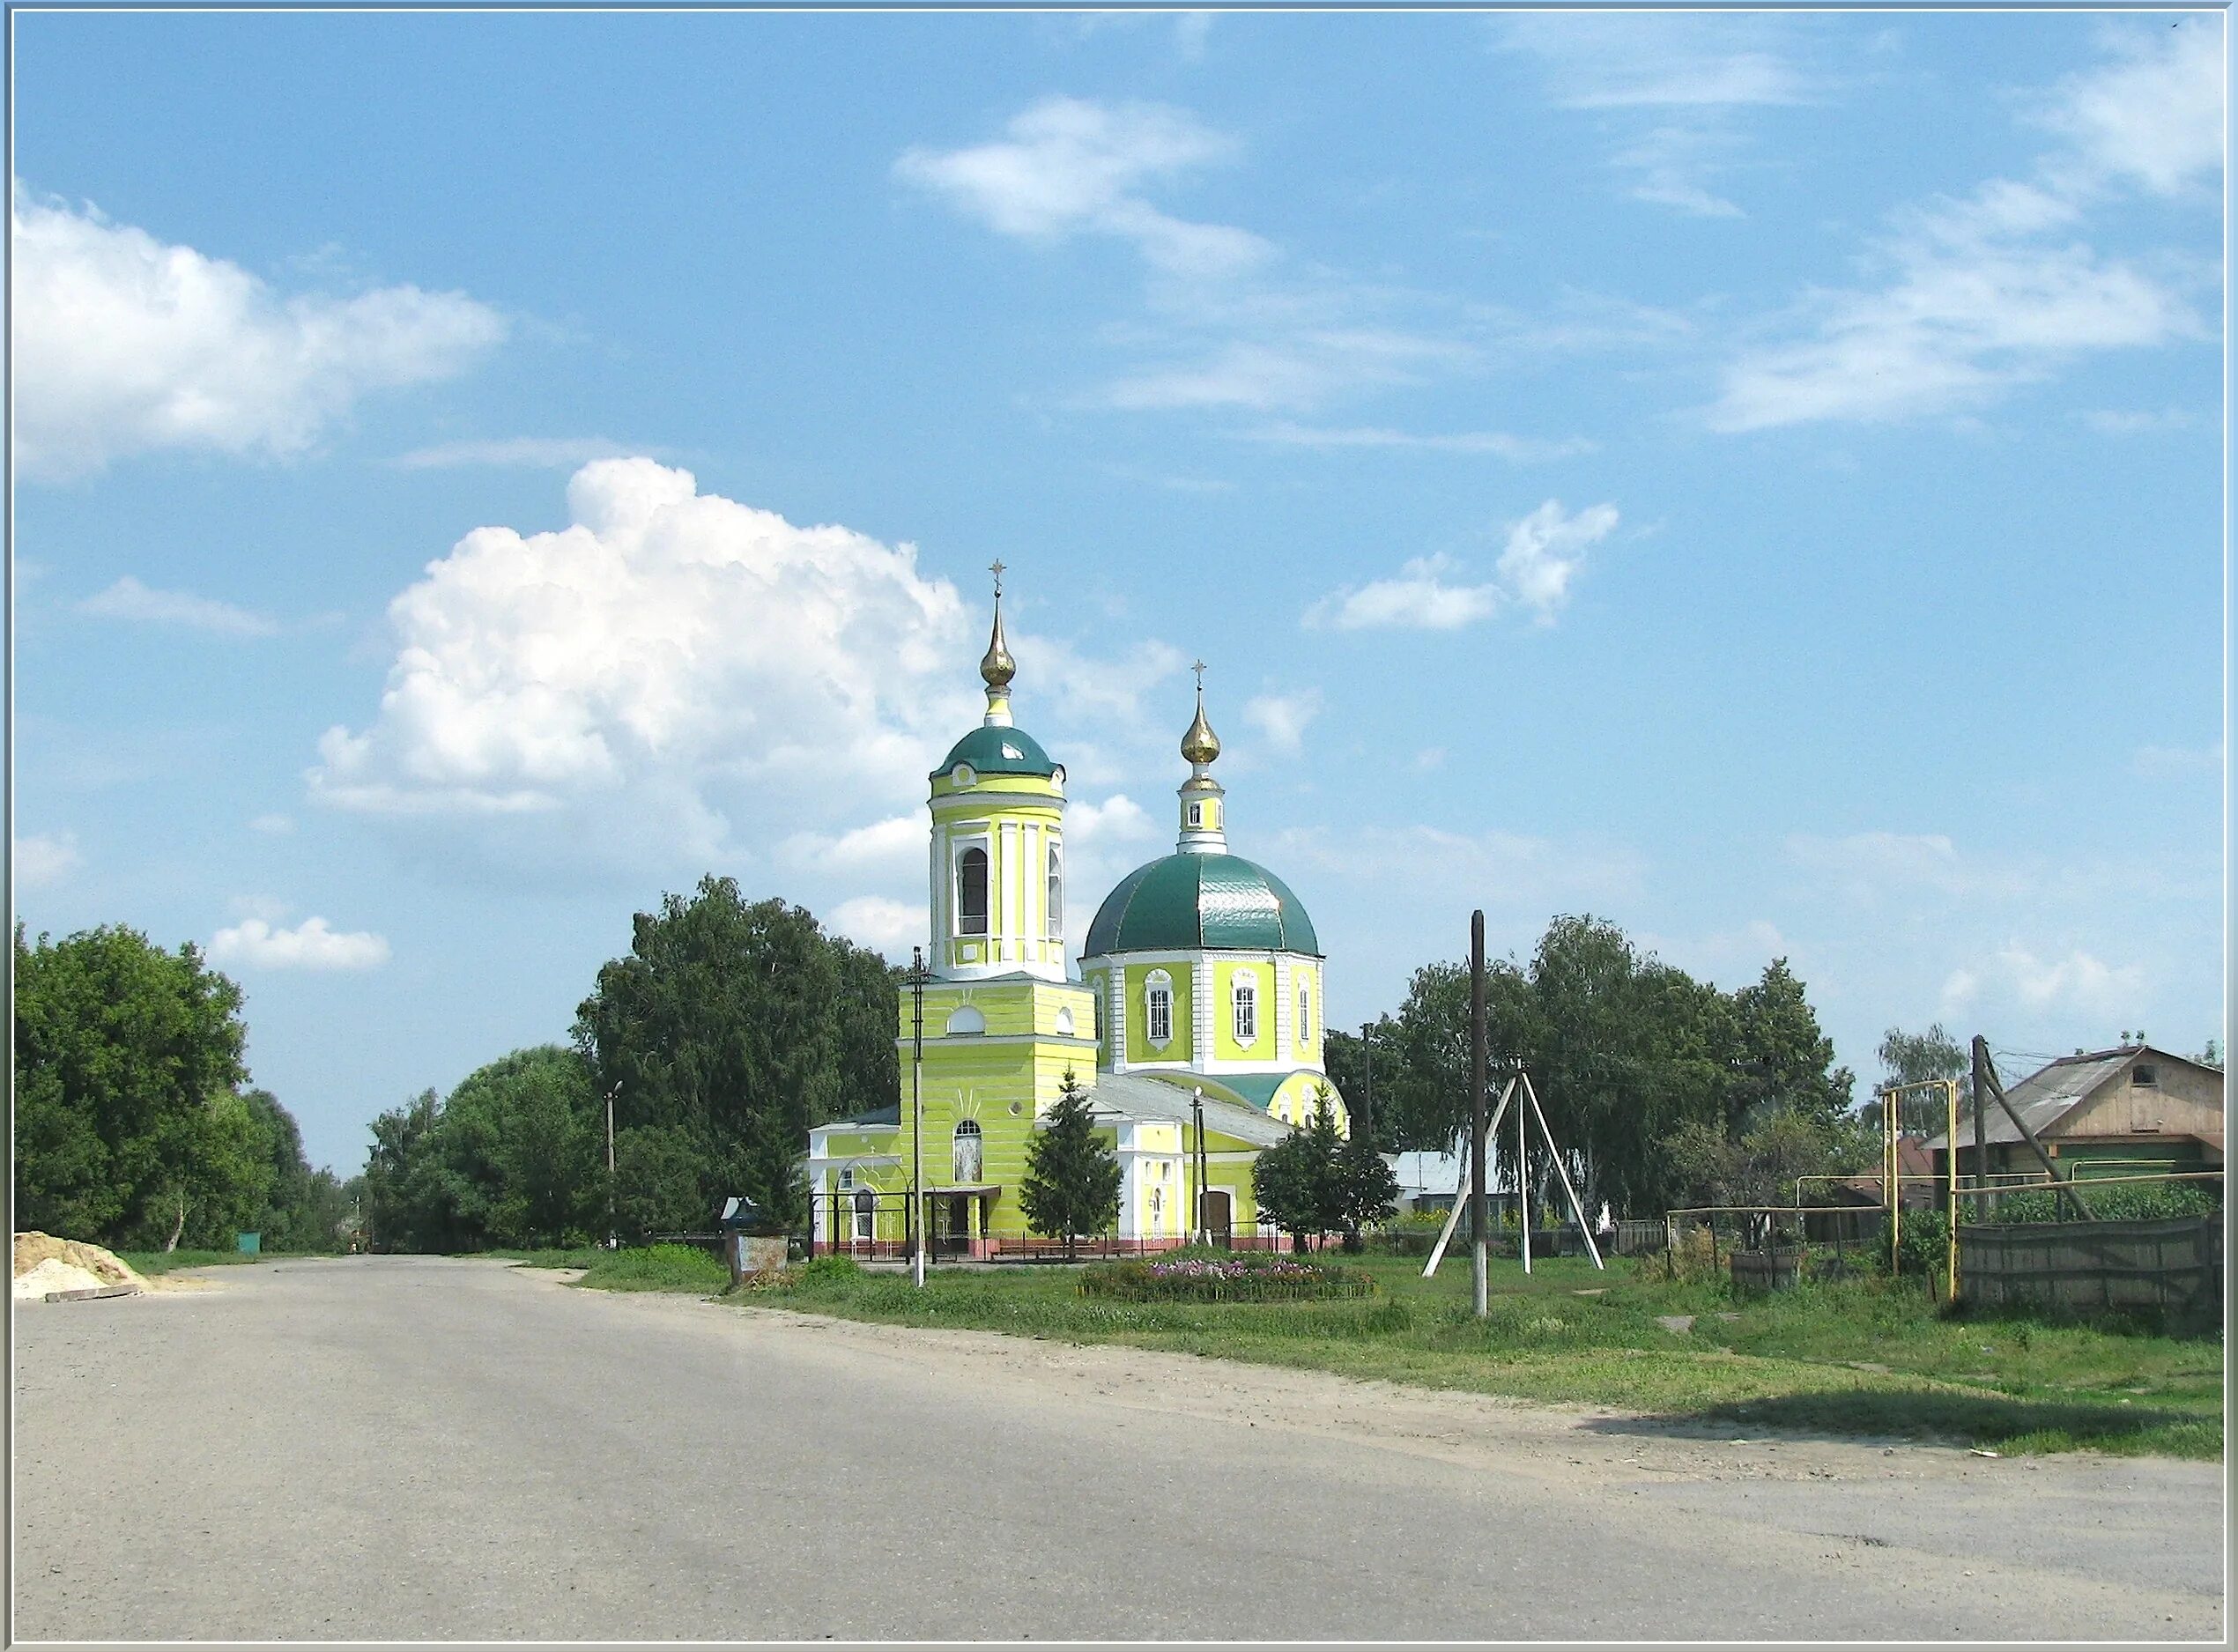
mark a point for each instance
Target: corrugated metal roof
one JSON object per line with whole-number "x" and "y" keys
{"x": 2043, "y": 1099}
{"x": 1139, "y": 1097}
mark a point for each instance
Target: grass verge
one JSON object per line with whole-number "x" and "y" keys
{"x": 155, "y": 1262}
{"x": 656, "y": 1268}
{"x": 1861, "y": 1359}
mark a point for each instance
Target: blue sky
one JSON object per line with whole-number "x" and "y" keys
{"x": 1754, "y": 477}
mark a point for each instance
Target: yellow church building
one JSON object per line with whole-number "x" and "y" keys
{"x": 1195, "y": 1020}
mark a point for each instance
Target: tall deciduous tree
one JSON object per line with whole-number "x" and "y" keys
{"x": 1072, "y": 1185}
{"x": 1300, "y": 1183}
{"x": 736, "y": 1027}
{"x": 130, "y": 1128}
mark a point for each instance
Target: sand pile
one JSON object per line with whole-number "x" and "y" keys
{"x": 53, "y": 1274}
{"x": 35, "y": 1251}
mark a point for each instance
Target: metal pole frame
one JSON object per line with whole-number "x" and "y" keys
{"x": 1481, "y": 1263}
{"x": 1950, "y": 1192}
{"x": 613, "y": 1238}
{"x": 916, "y": 1216}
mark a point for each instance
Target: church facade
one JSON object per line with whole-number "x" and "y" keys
{"x": 1194, "y": 1022}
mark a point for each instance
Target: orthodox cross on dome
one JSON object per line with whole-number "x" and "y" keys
{"x": 997, "y": 669}
{"x": 1198, "y": 667}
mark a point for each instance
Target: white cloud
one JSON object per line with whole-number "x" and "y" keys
{"x": 1541, "y": 558}
{"x": 1067, "y": 166}
{"x": 538, "y": 453}
{"x": 129, "y": 599}
{"x": 310, "y": 944}
{"x": 2175, "y": 762}
{"x": 1978, "y": 295}
{"x": 1422, "y": 597}
{"x": 670, "y": 667}
{"x": 2153, "y": 115}
{"x": 886, "y": 845}
{"x": 1117, "y": 819}
{"x": 1869, "y": 863}
{"x": 891, "y": 927}
{"x": 1487, "y": 867}
{"x": 1293, "y": 367}
{"x": 2077, "y": 982}
{"x": 1544, "y": 550}
{"x": 2114, "y": 422}
{"x": 1516, "y": 449}
{"x": 272, "y": 824}
{"x": 1674, "y": 90}
{"x": 1283, "y": 718}
{"x": 45, "y": 859}
{"x": 124, "y": 343}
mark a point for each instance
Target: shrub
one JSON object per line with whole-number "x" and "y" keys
{"x": 2125, "y": 1202}
{"x": 1248, "y": 1277}
{"x": 826, "y": 1271}
{"x": 657, "y": 1268}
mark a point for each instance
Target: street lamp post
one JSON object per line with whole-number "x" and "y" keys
{"x": 1197, "y": 1113}
{"x": 611, "y": 1094}
{"x": 1367, "y": 1081}
{"x": 916, "y": 1115}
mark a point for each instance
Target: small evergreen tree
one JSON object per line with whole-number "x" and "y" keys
{"x": 1072, "y": 1185}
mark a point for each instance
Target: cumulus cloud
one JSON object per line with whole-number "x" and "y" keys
{"x": 310, "y": 944}
{"x": 1536, "y": 566}
{"x": 1117, "y": 819}
{"x": 45, "y": 858}
{"x": 1283, "y": 718}
{"x": 668, "y": 661}
{"x": 883, "y": 845}
{"x": 2079, "y": 982}
{"x": 1544, "y": 550}
{"x": 1066, "y": 165}
{"x": 124, "y": 343}
{"x": 891, "y": 927}
{"x": 1424, "y": 596}
{"x": 129, "y": 599}
{"x": 1995, "y": 289}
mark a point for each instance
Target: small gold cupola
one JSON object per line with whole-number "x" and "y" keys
{"x": 1203, "y": 801}
{"x": 997, "y": 668}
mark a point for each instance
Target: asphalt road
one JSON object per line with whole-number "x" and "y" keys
{"x": 398, "y": 1448}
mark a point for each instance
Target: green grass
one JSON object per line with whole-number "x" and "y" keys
{"x": 1801, "y": 1361}
{"x": 154, "y": 1262}
{"x": 575, "y": 1257}
{"x": 656, "y": 1268}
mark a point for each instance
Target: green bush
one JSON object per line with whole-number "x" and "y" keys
{"x": 657, "y": 1268}
{"x": 2125, "y": 1202}
{"x": 827, "y": 1271}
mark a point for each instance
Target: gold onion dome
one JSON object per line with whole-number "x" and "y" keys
{"x": 1200, "y": 744}
{"x": 997, "y": 668}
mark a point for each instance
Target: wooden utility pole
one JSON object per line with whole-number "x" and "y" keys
{"x": 1480, "y": 1266}
{"x": 1980, "y": 1122}
{"x": 1987, "y": 1072}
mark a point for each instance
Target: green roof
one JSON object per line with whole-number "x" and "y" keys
{"x": 995, "y": 751}
{"x": 1187, "y": 903}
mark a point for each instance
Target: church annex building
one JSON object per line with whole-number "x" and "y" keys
{"x": 1195, "y": 1020}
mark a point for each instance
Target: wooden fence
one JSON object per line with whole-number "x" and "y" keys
{"x": 2081, "y": 1266}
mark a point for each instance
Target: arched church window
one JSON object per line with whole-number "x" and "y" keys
{"x": 1157, "y": 1003}
{"x": 966, "y": 1018}
{"x": 1056, "y": 893}
{"x": 1305, "y": 1015}
{"x": 971, "y": 892}
{"x": 1099, "y": 1004}
{"x": 1246, "y": 1011}
{"x": 966, "y": 1157}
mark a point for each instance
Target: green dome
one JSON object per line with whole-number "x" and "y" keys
{"x": 997, "y": 751}
{"x": 1187, "y": 903}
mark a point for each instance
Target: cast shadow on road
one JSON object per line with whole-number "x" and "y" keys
{"x": 2007, "y": 1424}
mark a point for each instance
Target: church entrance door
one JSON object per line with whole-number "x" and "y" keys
{"x": 1219, "y": 1221}
{"x": 954, "y": 1237}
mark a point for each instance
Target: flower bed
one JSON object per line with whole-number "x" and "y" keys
{"x": 1245, "y": 1278}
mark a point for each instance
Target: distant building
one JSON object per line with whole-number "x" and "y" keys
{"x": 2132, "y": 1110}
